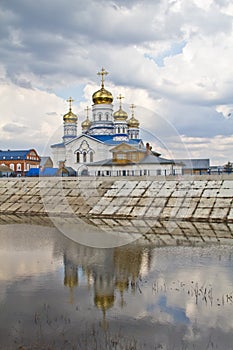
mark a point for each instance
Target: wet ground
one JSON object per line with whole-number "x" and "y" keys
{"x": 150, "y": 294}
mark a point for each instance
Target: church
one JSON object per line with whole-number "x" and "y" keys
{"x": 110, "y": 143}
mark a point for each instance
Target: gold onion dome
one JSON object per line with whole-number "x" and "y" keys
{"x": 102, "y": 96}
{"x": 133, "y": 123}
{"x": 86, "y": 123}
{"x": 70, "y": 117}
{"x": 120, "y": 115}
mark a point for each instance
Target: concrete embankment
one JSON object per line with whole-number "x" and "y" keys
{"x": 189, "y": 198}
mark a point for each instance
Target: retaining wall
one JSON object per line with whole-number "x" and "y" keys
{"x": 189, "y": 198}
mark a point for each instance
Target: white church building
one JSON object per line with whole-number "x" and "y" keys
{"x": 110, "y": 143}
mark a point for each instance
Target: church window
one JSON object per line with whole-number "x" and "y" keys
{"x": 91, "y": 157}
{"x": 121, "y": 156}
{"x": 84, "y": 157}
{"x": 134, "y": 156}
{"x": 118, "y": 130}
{"x": 123, "y": 130}
{"x": 107, "y": 116}
{"x": 77, "y": 157}
{"x": 99, "y": 115}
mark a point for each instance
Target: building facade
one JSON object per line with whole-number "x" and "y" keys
{"x": 20, "y": 161}
{"x": 110, "y": 142}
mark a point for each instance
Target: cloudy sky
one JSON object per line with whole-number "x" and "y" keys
{"x": 171, "y": 58}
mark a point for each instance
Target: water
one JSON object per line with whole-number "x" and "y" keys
{"x": 57, "y": 294}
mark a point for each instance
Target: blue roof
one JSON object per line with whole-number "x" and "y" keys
{"x": 108, "y": 139}
{"x": 58, "y": 145}
{"x": 49, "y": 172}
{"x": 14, "y": 155}
{"x": 33, "y": 172}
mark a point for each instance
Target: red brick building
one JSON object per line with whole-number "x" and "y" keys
{"x": 20, "y": 161}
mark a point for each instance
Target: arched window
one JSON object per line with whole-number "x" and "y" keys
{"x": 12, "y": 166}
{"x": 99, "y": 115}
{"x": 77, "y": 157}
{"x": 18, "y": 167}
{"x": 107, "y": 116}
{"x": 118, "y": 130}
{"x": 91, "y": 157}
{"x": 84, "y": 157}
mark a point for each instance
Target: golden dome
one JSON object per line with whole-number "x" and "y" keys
{"x": 70, "y": 117}
{"x": 120, "y": 115}
{"x": 104, "y": 302}
{"x": 102, "y": 96}
{"x": 86, "y": 123}
{"x": 133, "y": 123}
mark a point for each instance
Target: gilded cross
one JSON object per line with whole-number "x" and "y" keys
{"x": 103, "y": 73}
{"x": 87, "y": 110}
{"x": 70, "y": 100}
{"x": 120, "y": 97}
{"x": 132, "y": 106}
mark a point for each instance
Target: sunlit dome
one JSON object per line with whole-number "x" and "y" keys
{"x": 70, "y": 117}
{"x": 133, "y": 123}
{"x": 120, "y": 115}
{"x": 102, "y": 96}
{"x": 86, "y": 123}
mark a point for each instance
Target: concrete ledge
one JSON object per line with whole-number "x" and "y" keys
{"x": 190, "y": 198}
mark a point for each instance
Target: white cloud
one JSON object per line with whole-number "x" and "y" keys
{"x": 172, "y": 57}
{"x": 28, "y": 117}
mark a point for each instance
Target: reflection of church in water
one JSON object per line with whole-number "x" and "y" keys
{"x": 110, "y": 272}
{"x": 110, "y": 142}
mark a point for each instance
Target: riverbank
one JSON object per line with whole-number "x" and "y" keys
{"x": 189, "y": 198}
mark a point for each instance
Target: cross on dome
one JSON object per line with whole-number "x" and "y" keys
{"x": 87, "y": 109}
{"x": 120, "y": 97}
{"x": 70, "y": 101}
{"x": 132, "y": 106}
{"x": 103, "y": 72}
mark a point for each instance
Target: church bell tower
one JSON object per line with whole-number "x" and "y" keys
{"x": 70, "y": 123}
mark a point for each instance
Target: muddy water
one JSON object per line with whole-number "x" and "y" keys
{"x": 58, "y": 294}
